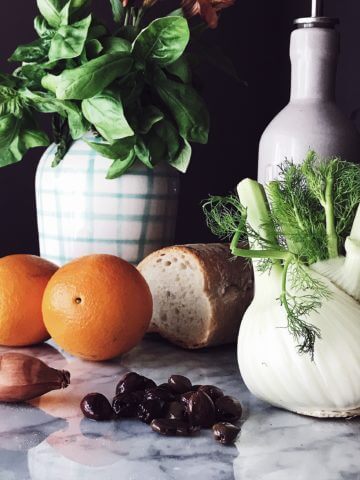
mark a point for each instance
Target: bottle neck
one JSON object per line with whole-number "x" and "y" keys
{"x": 313, "y": 53}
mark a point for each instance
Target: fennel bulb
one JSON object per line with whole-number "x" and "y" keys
{"x": 299, "y": 341}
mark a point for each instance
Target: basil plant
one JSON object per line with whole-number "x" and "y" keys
{"x": 132, "y": 88}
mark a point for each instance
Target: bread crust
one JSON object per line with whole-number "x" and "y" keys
{"x": 228, "y": 285}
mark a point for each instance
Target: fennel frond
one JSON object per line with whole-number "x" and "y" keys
{"x": 305, "y": 218}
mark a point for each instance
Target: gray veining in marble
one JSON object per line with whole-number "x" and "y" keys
{"x": 49, "y": 440}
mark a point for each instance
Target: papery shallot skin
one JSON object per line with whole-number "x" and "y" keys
{"x": 23, "y": 377}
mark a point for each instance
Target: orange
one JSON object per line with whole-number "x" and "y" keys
{"x": 97, "y": 307}
{"x": 23, "y": 279}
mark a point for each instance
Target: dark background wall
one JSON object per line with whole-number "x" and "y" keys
{"x": 255, "y": 35}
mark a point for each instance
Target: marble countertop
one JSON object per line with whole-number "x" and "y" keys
{"x": 48, "y": 439}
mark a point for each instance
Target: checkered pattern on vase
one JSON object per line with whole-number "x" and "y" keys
{"x": 80, "y": 212}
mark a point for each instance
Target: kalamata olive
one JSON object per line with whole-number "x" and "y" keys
{"x": 186, "y": 429}
{"x": 125, "y": 405}
{"x": 132, "y": 382}
{"x": 166, "y": 426}
{"x": 185, "y": 397}
{"x": 213, "y": 391}
{"x": 159, "y": 393}
{"x": 225, "y": 432}
{"x": 201, "y": 409}
{"x": 179, "y": 383}
{"x": 148, "y": 410}
{"x": 228, "y": 409}
{"x": 165, "y": 386}
{"x": 194, "y": 388}
{"x": 176, "y": 411}
{"x": 96, "y": 406}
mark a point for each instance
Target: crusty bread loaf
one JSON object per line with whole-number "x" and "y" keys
{"x": 200, "y": 293}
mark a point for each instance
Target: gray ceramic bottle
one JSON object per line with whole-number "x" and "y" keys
{"x": 311, "y": 120}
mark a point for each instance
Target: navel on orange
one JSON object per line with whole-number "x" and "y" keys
{"x": 97, "y": 307}
{"x": 23, "y": 279}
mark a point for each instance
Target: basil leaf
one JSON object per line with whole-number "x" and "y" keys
{"x": 156, "y": 146}
{"x": 65, "y": 15}
{"x": 119, "y": 167}
{"x": 77, "y": 8}
{"x": 12, "y": 153}
{"x": 76, "y": 5}
{"x": 97, "y": 31}
{"x": 131, "y": 87}
{"x": 105, "y": 111}
{"x": 77, "y": 123}
{"x": 89, "y": 79}
{"x": 165, "y": 144}
{"x": 118, "y": 150}
{"x": 27, "y": 137}
{"x": 169, "y": 135}
{"x": 9, "y": 126}
{"x": 69, "y": 41}
{"x": 11, "y": 101}
{"x": 93, "y": 48}
{"x": 115, "y": 44}
{"x": 32, "y": 138}
{"x": 187, "y": 107}
{"x": 117, "y": 10}
{"x": 182, "y": 159}
{"x": 180, "y": 69}
{"x": 163, "y": 41}
{"x": 34, "y": 72}
{"x": 42, "y": 28}
{"x": 36, "y": 51}
{"x": 129, "y": 32}
{"x": 178, "y": 12}
{"x": 50, "y": 10}
{"x": 142, "y": 152}
{"x": 45, "y": 103}
{"x": 7, "y": 80}
{"x": 149, "y": 116}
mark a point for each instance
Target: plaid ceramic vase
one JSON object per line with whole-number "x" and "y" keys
{"x": 80, "y": 212}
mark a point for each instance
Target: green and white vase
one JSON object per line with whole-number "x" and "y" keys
{"x": 80, "y": 212}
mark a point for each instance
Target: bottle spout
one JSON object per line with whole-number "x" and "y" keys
{"x": 317, "y": 8}
{"x": 317, "y": 18}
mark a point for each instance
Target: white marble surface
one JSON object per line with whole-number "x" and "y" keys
{"x": 49, "y": 440}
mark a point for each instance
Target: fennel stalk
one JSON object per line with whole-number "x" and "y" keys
{"x": 302, "y": 222}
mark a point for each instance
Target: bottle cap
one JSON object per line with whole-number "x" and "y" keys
{"x": 317, "y": 19}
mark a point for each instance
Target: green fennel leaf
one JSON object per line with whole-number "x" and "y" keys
{"x": 312, "y": 209}
{"x": 299, "y": 217}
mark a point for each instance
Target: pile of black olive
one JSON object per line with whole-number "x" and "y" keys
{"x": 173, "y": 408}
